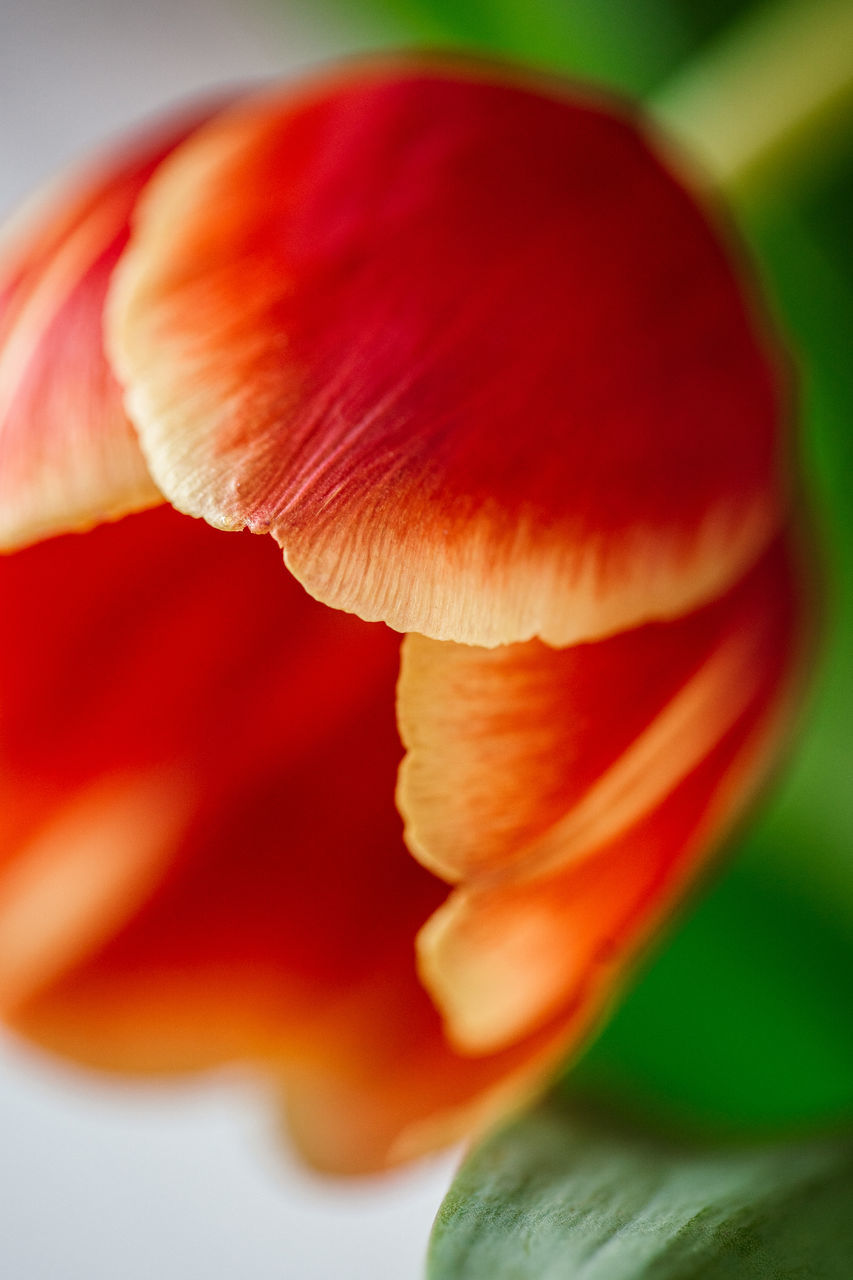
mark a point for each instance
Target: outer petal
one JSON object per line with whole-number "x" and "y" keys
{"x": 200, "y": 858}
{"x": 465, "y": 347}
{"x": 597, "y": 778}
{"x": 68, "y": 456}
{"x": 393, "y": 1089}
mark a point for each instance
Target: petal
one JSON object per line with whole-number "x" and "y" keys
{"x": 577, "y": 797}
{"x": 524, "y": 755}
{"x": 156, "y": 666}
{"x": 80, "y": 872}
{"x": 394, "y": 1089}
{"x": 68, "y": 455}
{"x": 502, "y": 959}
{"x": 465, "y": 347}
{"x": 200, "y": 857}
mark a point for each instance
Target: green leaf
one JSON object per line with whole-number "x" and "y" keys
{"x": 628, "y": 44}
{"x": 561, "y": 1195}
{"x": 743, "y": 1022}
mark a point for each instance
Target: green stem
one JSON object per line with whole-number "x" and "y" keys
{"x": 767, "y": 101}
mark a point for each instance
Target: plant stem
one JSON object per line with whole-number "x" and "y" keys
{"x": 768, "y": 100}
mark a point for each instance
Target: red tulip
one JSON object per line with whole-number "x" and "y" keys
{"x": 470, "y": 352}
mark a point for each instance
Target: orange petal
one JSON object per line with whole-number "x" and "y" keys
{"x": 387, "y": 1087}
{"x": 463, "y": 345}
{"x": 524, "y": 756}
{"x": 597, "y": 779}
{"x": 200, "y": 857}
{"x": 68, "y": 456}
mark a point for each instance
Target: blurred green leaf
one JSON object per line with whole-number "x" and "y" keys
{"x": 744, "y": 1021}
{"x": 622, "y": 43}
{"x": 805, "y": 836}
{"x": 564, "y": 1196}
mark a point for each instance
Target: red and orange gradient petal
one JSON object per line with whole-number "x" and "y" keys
{"x": 598, "y": 778}
{"x": 463, "y": 345}
{"x": 69, "y": 458}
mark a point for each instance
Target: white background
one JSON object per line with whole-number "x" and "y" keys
{"x": 102, "y": 1181}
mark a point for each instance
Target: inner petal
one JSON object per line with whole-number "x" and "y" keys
{"x": 523, "y": 757}
{"x": 574, "y": 801}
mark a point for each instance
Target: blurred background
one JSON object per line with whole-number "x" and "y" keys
{"x": 744, "y": 1016}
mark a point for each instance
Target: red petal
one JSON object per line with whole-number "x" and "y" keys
{"x": 465, "y": 347}
{"x": 201, "y": 860}
{"x": 68, "y": 456}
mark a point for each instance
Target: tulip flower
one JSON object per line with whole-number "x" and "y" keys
{"x": 466, "y": 347}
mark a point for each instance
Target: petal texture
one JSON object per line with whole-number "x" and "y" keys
{"x": 464, "y": 347}
{"x": 200, "y": 857}
{"x": 68, "y": 455}
{"x": 573, "y": 794}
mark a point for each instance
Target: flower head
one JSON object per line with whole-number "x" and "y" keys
{"x": 470, "y": 352}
